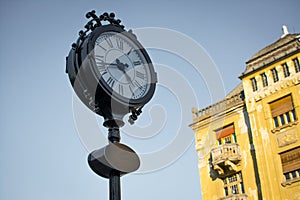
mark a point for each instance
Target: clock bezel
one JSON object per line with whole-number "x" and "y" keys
{"x": 102, "y": 83}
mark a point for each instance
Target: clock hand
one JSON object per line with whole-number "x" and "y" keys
{"x": 122, "y": 66}
{"x": 104, "y": 63}
{"x": 129, "y": 52}
{"x": 119, "y": 65}
{"x": 127, "y": 77}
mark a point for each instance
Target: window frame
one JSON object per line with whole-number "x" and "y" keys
{"x": 254, "y": 84}
{"x": 286, "y": 70}
{"x": 264, "y": 79}
{"x": 296, "y": 65}
{"x": 290, "y": 163}
{"x": 282, "y": 111}
{"x": 234, "y": 184}
{"x": 226, "y": 135}
{"x": 275, "y": 75}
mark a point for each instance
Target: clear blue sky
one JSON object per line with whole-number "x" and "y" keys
{"x": 42, "y": 155}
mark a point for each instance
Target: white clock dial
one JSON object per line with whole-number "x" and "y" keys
{"x": 122, "y": 65}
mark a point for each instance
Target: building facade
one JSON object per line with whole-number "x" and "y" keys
{"x": 248, "y": 144}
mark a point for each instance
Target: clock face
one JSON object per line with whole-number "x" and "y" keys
{"x": 122, "y": 66}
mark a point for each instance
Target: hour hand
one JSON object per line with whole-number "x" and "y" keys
{"x": 121, "y": 66}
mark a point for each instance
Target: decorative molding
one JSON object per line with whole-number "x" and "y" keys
{"x": 287, "y": 138}
{"x": 278, "y": 129}
{"x": 235, "y": 197}
{"x": 290, "y": 182}
{"x": 274, "y": 88}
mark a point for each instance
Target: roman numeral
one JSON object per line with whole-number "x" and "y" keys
{"x": 140, "y": 75}
{"x": 110, "y": 81}
{"x": 109, "y": 42}
{"x": 104, "y": 72}
{"x": 137, "y": 84}
{"x": 102, "y": 47}
{"x": 100, "y": 64}
{"x": 102, "y": 69}
{"x": 131, "y": 86}
{"x": 99, "y": 57}
{"x": 119, "y": 43}
{"x": 99, "y": 60}
{"x": 137, "y": 63}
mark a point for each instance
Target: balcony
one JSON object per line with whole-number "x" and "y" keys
{"x": 226, "y": 158}
{"x": 226, "y": 152}
{"x": 235, "y": 197}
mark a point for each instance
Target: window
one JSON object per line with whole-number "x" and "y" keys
{"x": 286, "y": 70}
{"x": 283, "y": 111}
{"x": 296, "y": 65}
{"x": 226, "y": 191}
{"x": 264, "y": 79}
{"x": 254, "y": 84}
{"x": 275, "y": 75}
{"x": 219, "y": 142}
{"x": 234, "y": 184}
{"x": 226, "y": 135}
{"x": 228, "y": 140}
{"x": 290, "y": 161}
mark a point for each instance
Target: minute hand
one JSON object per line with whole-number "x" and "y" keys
{"x": 104, "y": 63}
{"x": 127, "y": 76}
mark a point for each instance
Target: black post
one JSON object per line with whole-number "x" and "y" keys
{"x": 114, "y": 186}
{"x": 114, "y": 177}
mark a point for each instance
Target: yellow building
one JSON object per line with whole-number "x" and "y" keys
{"x": 248, "y": 144}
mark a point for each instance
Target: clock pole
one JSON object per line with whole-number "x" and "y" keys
{"x": 114, "y": 186}
{"x": 114, "y": 177}
{"x": 114, "y": 160}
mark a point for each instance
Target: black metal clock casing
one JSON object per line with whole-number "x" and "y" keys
{"x": 110, "y": 70}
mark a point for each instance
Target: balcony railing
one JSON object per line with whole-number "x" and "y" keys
{"x": 226, "y": 152}
{"x": 235, "y": 197}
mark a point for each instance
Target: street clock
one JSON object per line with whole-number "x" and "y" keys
{"x": 110, "y": 71}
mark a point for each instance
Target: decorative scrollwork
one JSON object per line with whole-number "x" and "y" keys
{"x": 97, "y": 21}
{"x": 134, "y": 115}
